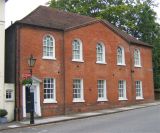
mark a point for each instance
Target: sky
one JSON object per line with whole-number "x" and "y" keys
{"x": 17, "y": 9}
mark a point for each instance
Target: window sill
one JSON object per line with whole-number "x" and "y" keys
{"x": 139, "y": 98}
{"x": 137, "y": 66}
{"x": 78, "y": 101}
{"x": 48, "y": 58}
{"x": 122, "y": 99}
{"x": 49, "y": 101}
{"x": 102, "y": 100}
{"x": 9, "y": 100}
{"x": 104, "y": 63}
{"x": 121, "y": 64}
{"x": 77, "y": 60}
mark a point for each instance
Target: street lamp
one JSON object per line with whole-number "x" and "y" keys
{"x": 31, "y": 63}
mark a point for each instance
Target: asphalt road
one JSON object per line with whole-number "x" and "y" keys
{"x": 144, "y": 120}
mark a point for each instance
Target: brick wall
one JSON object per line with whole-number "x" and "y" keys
{"x": 89, "y": 70}
{"x": 31, "y": 42}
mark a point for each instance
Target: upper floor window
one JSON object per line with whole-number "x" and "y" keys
{"x": 137, "y": 58}
{"x": 120, "y": 56}
{"x": 48, "y": 47}
{"x": 77, "y": 54}
{"x": 49, "y": 90}
{"x": 100, "y": 53}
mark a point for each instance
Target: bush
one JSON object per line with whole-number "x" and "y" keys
{"x": 3, "y": 112}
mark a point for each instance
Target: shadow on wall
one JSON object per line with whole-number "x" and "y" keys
{"x": 157, "y": 94}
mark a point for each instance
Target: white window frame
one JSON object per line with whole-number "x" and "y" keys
{"x": 51, "y": 57}
{"x": 81, "y": 98}
{"x": 122, "y": 93}
{"x": 139, "y": 90}
{"x": 122, "y": 61}
{"x": 103, "y": 61}
{"x": 137, "y": 58}
{"x": 50, "y": 100}
{"x": 102, "y": 87}
{"x": 9, "y": 92}
{"x": 80, "y": 59}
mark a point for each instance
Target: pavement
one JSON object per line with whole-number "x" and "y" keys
{"x": 56, "y": 119}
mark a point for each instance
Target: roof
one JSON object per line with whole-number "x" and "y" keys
{"x": 53, "y": 18}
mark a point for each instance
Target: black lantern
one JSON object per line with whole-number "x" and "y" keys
{"x": 31, "y": 61}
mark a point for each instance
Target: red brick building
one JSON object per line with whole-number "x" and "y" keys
{"x": 83, "y": 64}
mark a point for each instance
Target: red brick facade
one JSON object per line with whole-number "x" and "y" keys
{"x": 64, "y": 70}
{"x": 28, "y": 39}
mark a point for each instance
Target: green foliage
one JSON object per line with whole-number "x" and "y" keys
{"x": 27, "y": 81}
{"x": 136, "y": 17}
{"x": 3, "y": 112}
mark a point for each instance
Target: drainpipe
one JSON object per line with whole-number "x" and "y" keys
{"x": 131, "y": 72}
{"x": 17, "y": 70}
{"x": 64, "y": 74}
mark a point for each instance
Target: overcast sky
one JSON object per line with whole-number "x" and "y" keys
{"x": 17, "y": 9}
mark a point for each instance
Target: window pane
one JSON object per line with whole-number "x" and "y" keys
{"x": 48, "y": 46}
{"x": 122, "y": 89}
{"x": 77, "y": 89}
{"x": 49, "y": 88}
{"x": 119, "y": 55}
{"x": 100, "y": 53}
{"x": 101, "y": 89}
{"x": 76, "y": 50}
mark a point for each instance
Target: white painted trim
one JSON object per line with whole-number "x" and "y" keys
{"x": 81, "y": 51}
{"x": 103, "y": 54}
{"x": 36, "y": 101}
{"x": 123, "y": 56}
{"x": 24, "y": 100}
{"x": 122, "y": 99}
{"x": 125, "y": 91}
{"x": 137, "y": 66}
{"x": 78, "y": 101}
{"x": 75, "y": 60}
{"x": 82, "y": 92}
{"x": 139, "y": 57}
{"x": 48, "y": 58}
{"x": 54, "y": 48}
{"x": 98, "y": 62}
{"x": 141, "y": 91}
{"x": 53, "y": 100}
{"x": 105, "y": 92}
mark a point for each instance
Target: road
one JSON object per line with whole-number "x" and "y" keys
{"x": 144, "y": 120}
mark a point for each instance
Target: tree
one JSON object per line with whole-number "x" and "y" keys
{"x": 136, "y": 17}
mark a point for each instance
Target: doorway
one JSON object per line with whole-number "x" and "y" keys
{"x": 35, "y": 96}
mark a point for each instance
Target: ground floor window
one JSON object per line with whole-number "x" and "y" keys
{"x": 101, "y": 85}
{"x": 122, "y": 90}
{"x": 78, "y": 95}
{"x": 9, "y": 94}
{"x": 139, "y": 92}
{"x": 49, "y": 90}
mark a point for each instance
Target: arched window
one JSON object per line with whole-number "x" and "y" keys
{"x": 100, "y": 49}
{"x": 120, "y": 56}
{"x": 48, "y": 47}
{"x": 77, "y": 54}
{"x": 137, "y": 58}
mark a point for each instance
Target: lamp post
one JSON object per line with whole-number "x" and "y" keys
{"x": 31, "y": 63}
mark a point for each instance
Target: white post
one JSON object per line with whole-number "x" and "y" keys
{"x": 2, "y": 37}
